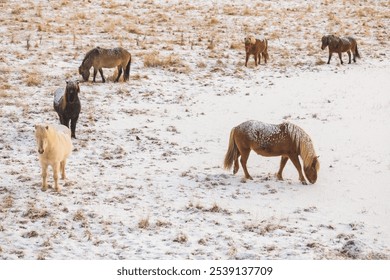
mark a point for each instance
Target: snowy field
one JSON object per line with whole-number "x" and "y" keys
{"x": 146, "y": 178}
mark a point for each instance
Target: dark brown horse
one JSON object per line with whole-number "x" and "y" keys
{"x": 100, "y": 58}
{"x": 339, "y": 45}
{"x": 67, "y": 105}
{"x": 256, "y": 47}
{"x": 286, "y": 140}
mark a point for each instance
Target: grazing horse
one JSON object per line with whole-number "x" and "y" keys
{"x": 256, "y": 47}
{"x": 54, "y": 146}
{"x": 285, "y": 139}
{"x": 67, "y": 105}
{"x": 340, "y": 45}
{"x": 99, "y": 58}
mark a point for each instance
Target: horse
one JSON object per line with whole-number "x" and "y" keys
{"x": 256, "y": 47}
{"x": 99, "y": 58}
{"x": 67, "y": 105}
{"x": 286, "y": 140}
{"x": 339, "y": 45}
{"x": 54, "y": 146}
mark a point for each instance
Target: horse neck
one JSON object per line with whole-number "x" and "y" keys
{"x": 302, "y": 143}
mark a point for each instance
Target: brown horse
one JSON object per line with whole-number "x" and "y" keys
{"x": 340, "y": 45}
{"x": 256, "y": 47}
{"x": 286, "y": 140}
{"x": 99, "y": 58}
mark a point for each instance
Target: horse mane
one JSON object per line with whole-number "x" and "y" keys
{"x": 89, "y": 56}
{"x": 302, "y": 142}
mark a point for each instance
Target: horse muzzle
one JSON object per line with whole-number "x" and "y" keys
{"x": 41, "y": 151}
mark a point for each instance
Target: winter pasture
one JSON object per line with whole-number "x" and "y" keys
{"x": 145, "y": 179}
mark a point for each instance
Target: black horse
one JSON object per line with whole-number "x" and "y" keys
{"x": 67, "y": 105}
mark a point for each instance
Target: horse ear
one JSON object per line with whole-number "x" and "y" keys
{"x": 47, "y": 127}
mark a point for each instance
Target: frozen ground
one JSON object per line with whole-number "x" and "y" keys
{"x": 145, "y": 180}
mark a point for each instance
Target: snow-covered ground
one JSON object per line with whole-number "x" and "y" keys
{"x": 145, "y": 179}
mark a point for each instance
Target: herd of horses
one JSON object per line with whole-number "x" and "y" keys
{"x": 287, "y": 140}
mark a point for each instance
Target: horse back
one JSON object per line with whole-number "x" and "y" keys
{"x": 58, "y": 94}
{"x": 64, "y": 139}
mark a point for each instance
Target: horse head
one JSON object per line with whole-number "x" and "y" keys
{"x": 72, "y": 90}
{"x": 41, "y": 137}
{"x": 311, "y": 170}
{"x": 84, "y": 72}
{"x": 325, "y": 41}
{"x": 249, "y": 42}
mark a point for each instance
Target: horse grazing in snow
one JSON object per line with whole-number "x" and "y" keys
{"x": 67, "y": 105}
{"x": 256, "y": 47}
{"x": 286, "y": 140}
{"x": 54, "y": 146}
{"x": 339, "y": 45}
{"x": 100, "y": 58}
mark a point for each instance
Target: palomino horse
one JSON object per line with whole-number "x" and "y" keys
{"x": 340, "y": 45}
{"x": 54, "y": 147}
{"x": 256, "y": 47}
{"x": 286, "y": 140}
{"x": 99, "y": 58}
{"x": 67, "y": 105}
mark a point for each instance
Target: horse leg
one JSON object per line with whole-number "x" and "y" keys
{"x": 44, "y": 176}
{"x": 55, "y": 175}
{"x": 246, "y": 59}
{"x": 73, "y": 127}
{"x": 243, "y": 160}
{"x": 62, "y": 166}
{"x": 341, "y": 60}
{"x": 330, "y": 56}
{"x": 94, "y": 74}
{"x": 259, "y": 58}
{"x": 255, "y": 57}
{"x": 66, "y": 121}
{"x": 119, "y": 73}
{"x": 283, "y": 162}
{"x": 101, "y": 74}
{"x": 295, "y": 160}
{"x": 349, "y": 56}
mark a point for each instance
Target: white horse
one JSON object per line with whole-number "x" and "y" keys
{"x": 54, "y": 146}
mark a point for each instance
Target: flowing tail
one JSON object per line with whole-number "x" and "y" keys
{"x": 356, "y": 52}
{"x": 266, "y": 50}
{"x": 232, "y": 152}
{"x": 126, "y": 75}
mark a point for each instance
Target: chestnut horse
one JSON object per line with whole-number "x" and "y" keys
{"x": 256, "y": 47}
{"x": 285, "y": 139}
{"x": 340, "y": 45}
{"x": 99, "y": 58}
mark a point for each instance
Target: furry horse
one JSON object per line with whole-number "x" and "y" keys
{"x": 339, "y": 45}
{"x": 99, "y": 58}
{"x": 256, "y": 47}
{"x": 286, "y": 140}
{"x": 67, "y": 105}
{"x": 54, "y": 146}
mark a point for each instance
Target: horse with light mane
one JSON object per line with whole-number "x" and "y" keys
{"x": 54, "y": 146}
{"x": 339, "y": 45}
{"x": 256, "y": 47}
{"x": 100, "y": 58}
{"x": 286, "y": 140}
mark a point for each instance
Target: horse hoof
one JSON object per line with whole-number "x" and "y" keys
{"x": 44, "y": 189}
{"x": 304, "y": 183}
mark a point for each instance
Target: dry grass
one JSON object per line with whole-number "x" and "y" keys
{"x": 144, "y": 223}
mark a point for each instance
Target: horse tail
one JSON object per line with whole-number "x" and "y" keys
{"x": 266, "y": 49}
{"x": 232, "y": 152}
{"x": 356, "y": 51}
{"x": 126, "y": 75}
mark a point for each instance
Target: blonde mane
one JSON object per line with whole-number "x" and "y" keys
{"x": 303, "y": 144}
